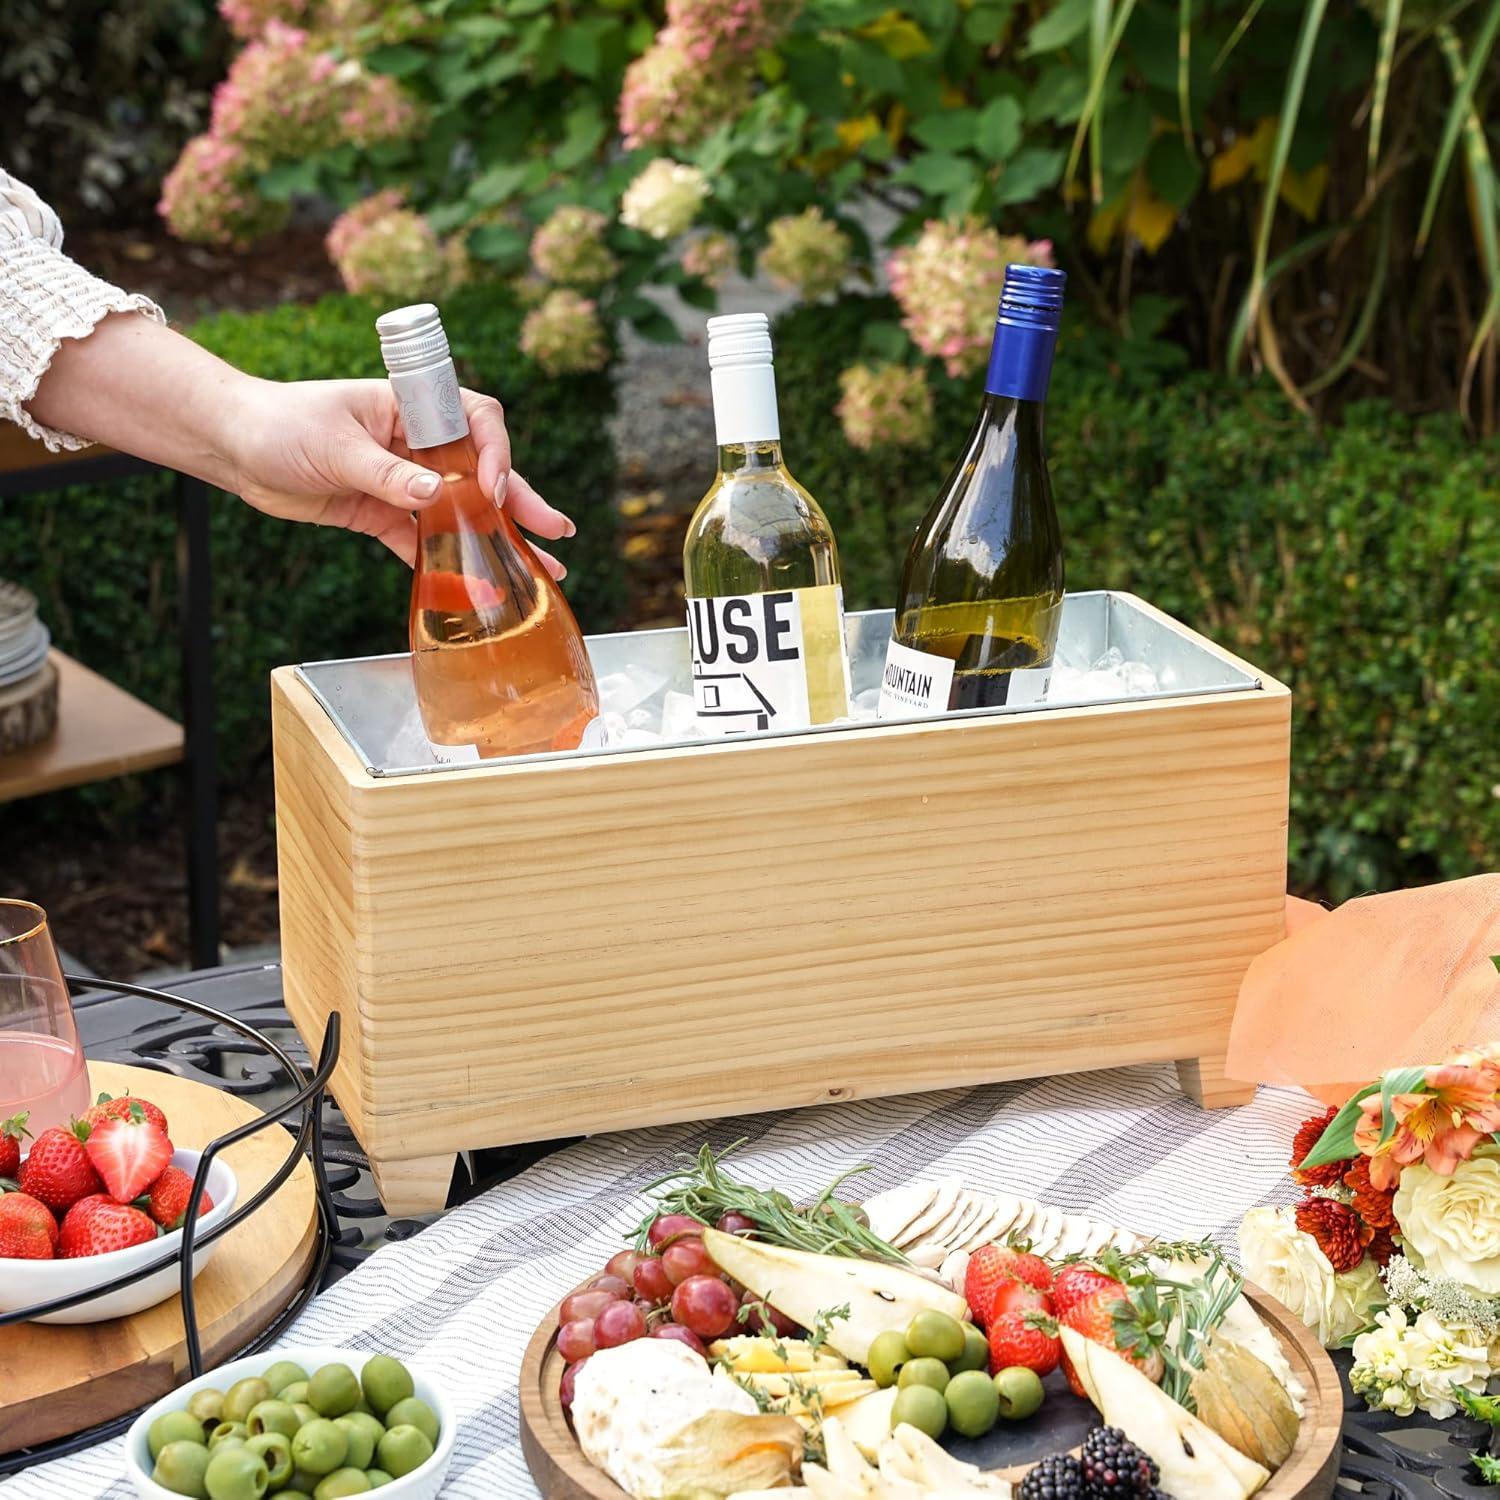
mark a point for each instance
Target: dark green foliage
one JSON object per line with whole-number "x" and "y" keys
{"x": 101, "y": 559}
{"x": 1361, "y": 566}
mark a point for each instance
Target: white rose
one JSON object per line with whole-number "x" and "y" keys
{"x": 1453, "y": 1223}
{"x": 1282, "y": 1260}
{"x": 664, "y": 200}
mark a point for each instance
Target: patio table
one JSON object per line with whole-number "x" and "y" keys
{"x": 463, "y": 1293}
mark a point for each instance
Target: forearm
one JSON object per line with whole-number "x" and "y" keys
{"x": 139, "y": 387}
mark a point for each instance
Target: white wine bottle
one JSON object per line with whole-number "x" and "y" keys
{"x": 981, "y": 593}
{"x": 765, "y": 610}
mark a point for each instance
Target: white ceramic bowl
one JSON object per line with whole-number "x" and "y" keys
{"x": 26, "y": 1282}
{"x": 420, "y": 1484}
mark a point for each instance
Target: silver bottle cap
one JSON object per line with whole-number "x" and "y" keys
{"x": 412, "y": 338}
{"x": 415, "y": 350}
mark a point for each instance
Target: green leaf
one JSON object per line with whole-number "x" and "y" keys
{"x": 286, "y": 178}
{"x": 1397, "y": 1081}
{"x": 1099, "y": 76}
{"x": 1129, "y": 135}
{"x": 481, "y": 28}
{"x": 1058, "y": 27}
{"x": 952, "y": 130}
{"x": 1058, "y": 94}
{"x": 1243, "y": 25}
{"x": 1496, "y": 960}
{"x": 938, "y": 172}
{"x": 1485, "y": 1408}
{"x": 526, "y": 7}
{"x": 885, "y": 341}
{"x": 500, "y": 244}
{"x": 1489, "y": 1468}
{"x": 1173, "y": 171}
{"x": 1388, "y": 29}
{"x": 1366, "y": 321}
{"x": 399, "y": 61}
{"x": 986, "y": 24}
{"x": 583, "y": 130}
{"x": 655, "y": 325}
{"x": 1283, "y": 262}
{"x": 1337, "y": 1142}
{"x": 999, "y": 130}
{"x": 1028, "y": 173}
{"x": 1457, "y": 113}
{"x": 696, "y": 294}
{"x": 578, "y": 50}
{"x": 498, "y": 183}
{"x": 1184, "y": 69}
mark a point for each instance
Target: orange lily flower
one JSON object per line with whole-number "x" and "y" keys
{"x": 1441, "y": 1126}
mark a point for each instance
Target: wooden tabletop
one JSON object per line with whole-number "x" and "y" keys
{"x": 18, "y": 451}
{"x": 101, "y": 732}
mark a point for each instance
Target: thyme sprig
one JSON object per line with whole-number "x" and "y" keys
{"x": 829, "y": 1226}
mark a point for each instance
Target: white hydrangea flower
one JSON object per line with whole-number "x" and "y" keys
{"x": 664, "y": 200}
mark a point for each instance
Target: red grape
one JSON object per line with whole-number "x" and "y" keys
{"x": 733, "y": 1223}
{"x": 616, "y": 1286}
{"x": 651, "y": 1279}
{"x": 622, "y": 1264}
{"x": 681, "y": 1335}
{"x": 584, "y": 1305}
{"x": 685, "y": 1258}
{"x": 673, "y": 1226}
{"x": 619, "y": 1323}
{"x": 575, "y": 1340}
{"x": 761, "y": 1317}
{"x": 569, "y": 1376}
{"x": 705, "y": 1305}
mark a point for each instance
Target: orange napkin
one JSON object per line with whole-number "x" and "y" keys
{"x": 1381, "y": 982}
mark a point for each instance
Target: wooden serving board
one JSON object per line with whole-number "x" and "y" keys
{"x": 58, "y": 1380}
{"x": 562, "y": 1472}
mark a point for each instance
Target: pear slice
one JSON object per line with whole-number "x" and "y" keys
{"x": 1194, "y": 1460}
{"x": 868, "y": 1420}
{"x": 879, "y": 1297}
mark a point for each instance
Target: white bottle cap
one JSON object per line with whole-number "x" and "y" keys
{"x": 743, "y": 379}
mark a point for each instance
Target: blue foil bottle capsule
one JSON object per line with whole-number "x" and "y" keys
{"x": 1026, "y": 332}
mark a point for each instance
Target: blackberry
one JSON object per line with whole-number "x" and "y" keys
{"x": 1115, "y": 1469}
{"x": 1059, "y": 1477}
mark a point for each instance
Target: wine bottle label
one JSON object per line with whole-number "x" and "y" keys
{"x": 595, "y": 735}
{"x": 915, "y": 683}
{"x": 769, "y": 661}
{"x": 1027, "y": 685}
{"x": 455, "y": 755}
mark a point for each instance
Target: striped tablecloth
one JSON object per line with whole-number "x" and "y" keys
{"x": 464, "y": 1296}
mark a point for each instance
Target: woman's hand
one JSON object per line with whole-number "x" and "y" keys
{"x": 332, "y": 452}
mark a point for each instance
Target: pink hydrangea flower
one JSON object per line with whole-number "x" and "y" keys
{"x": 671, "y": 98}
{"x": 382, "y": 249}
{"x": 564, "y": 335}
{"x": 885, "y": 406}
{"x": 948, "y": 284}
{"x": 807, "y": 254}
{"x": 208, "y": 196}
{"x": 569, "y": 247}
{"x": 736, "y": 28}
{"x": 248, "y": 18}
{"x": 710, "y": 257}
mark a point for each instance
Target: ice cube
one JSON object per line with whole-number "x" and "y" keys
{"x": 1111, "y": 661}
{"x": 865, "y": 702}
{"x": 619, "y": 692}
{"x": 679, "y": 716}
{"x": 1137, "y": 678}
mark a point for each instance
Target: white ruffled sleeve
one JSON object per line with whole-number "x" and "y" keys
{"x": 44, "y": 299}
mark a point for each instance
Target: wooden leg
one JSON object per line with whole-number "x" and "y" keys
{"x": 415, "y": 1185}
{"x": 1202, "y": 1080}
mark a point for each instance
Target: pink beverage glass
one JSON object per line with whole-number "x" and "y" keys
{"x": 42, "y": 1072}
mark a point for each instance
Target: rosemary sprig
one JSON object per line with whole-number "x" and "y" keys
{"x": 829, "y": 1226}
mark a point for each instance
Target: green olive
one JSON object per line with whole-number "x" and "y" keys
{"x": 921, "y": 1407}
{"x": 208, "y": 1406}
{"x": 276, "y": 1449}
{"x": 403, "y": 1449}
{"x": 272, "y": 1416}
{"x": 333, "y": 1390}
{"x": 320, "y": 1447}
{"x": 932, "y": 1373}
{"x": 228, "y": 1432}
{"x": 342, "y": 1482}
{"x": 180, "y": 1467}
{"x": 973, "y": 1403}
{"x": 236, "y": 1474}
{"x": 385, "y": 1381}
{"x": 976, "y": 1355}
{"x": 1020, "y": 1392}
{"x": 362, "y": 1439}
{"x": 173, "y": 1427}
{"x": 887, "y": 1354}
{"x": 377, "y": 1477}
{"x": 934, "y": 1335}
{"x": 305, "y": 1413}
{"x": 293, "y": 1393}
{"x": 282, "y": 1374}
{"x": 414, "y": 1412}
{"x": 243, "y": 1397}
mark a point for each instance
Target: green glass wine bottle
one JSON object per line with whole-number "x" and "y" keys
{"x": 765, "y": 609}
{"x": 982, "y": 590}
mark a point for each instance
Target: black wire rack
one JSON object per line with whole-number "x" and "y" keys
{"x": 307, "y": 1098}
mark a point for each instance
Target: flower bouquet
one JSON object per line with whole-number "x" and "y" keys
{"x": 1394, "y": 1249}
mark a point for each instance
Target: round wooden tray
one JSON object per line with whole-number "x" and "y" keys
{"x": 61, "y": 1379}
{"x": 563, "y": 1473}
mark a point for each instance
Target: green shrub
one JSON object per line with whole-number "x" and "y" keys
{"x": 101, "y": 558}
{"x": 1360, "y": 566}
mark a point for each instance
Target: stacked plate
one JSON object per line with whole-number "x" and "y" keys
{"x": 23, "y": 638}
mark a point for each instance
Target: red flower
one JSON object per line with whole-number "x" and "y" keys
{"x": 1381, "y": 1246}
{"x": 1336, "y": 1228}
{"x": 1308, "y": 1135}
{"x": 1374, "y": 1205}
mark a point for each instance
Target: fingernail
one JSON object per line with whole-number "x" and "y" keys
{"x": 572, "y": 529}
{"x": 562, "y": 575}
{"x": 422, "y": 486}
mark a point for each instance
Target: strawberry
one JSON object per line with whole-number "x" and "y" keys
{"x": 168, "y": 1199}
{"x": 1078, "y": 1280}
{"x": 58, "y": 1170}
{"x": 129, "y": 1154}
{"x": 27, "y": 1229}
{"x": 1099, "y": 1317}
{"x": 10, "y": 1143}
{"x": 126, "y": 1107}
{"x": 992, "y": 1265}
{"x": 97, "y": 1224}
{"x": 1024, "y": 1338}
{"x": 1018, "y": 1297}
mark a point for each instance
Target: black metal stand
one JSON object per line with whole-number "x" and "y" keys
{"x": 308, "y": 1141}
